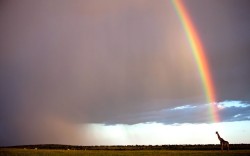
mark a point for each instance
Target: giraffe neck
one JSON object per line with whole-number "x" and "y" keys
{"x": 219, "y": 136}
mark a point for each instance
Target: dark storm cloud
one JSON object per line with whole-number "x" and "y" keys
{"x": 65, "y": 63}
{"x": 224, "y": 29}
{"x": 88, "y": 62}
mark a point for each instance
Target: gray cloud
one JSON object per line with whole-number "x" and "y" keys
{"x": 222, "y": 26}
{"x": 87, "y": 62}
{"x": 77, "y": 62}
{"x": 70, "y": 59}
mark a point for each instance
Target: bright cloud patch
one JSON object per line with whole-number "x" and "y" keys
{"x": 237, "y": 115}
{"x": 183, "y": 107}
{"x": 225, "y": 104}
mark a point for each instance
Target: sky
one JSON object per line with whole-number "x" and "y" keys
{"x": 116, "y": 72}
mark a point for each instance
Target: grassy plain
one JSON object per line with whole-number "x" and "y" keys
{"x": 42, "y": 152}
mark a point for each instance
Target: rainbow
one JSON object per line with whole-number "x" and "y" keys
{"x": 199, "y": 55}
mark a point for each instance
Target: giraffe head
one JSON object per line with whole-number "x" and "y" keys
{"x": 216, "y": 132}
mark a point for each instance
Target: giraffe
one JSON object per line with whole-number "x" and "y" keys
{"x": 222, "y": 142}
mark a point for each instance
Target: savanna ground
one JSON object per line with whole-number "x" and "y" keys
{"x": 46, "y": 152}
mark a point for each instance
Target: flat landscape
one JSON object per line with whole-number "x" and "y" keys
{"x": 44, "y": 152}
{"x": 129, "y": 150}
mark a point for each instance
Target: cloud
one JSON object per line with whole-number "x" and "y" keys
{"x": 88, "y": 62}
{"x": 34, "y": 128}
{"x": 92, "y": 65}
{"x": 235, "y": 111}
{"x": 229, "y": 111}
{"x": 184, "y": 107}
{"x": 223, "y": 31}
{"x": 237, "y": 104}
{"x": 104, "y": 62}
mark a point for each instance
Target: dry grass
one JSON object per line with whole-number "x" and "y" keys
{"x": 38, "y": 152}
